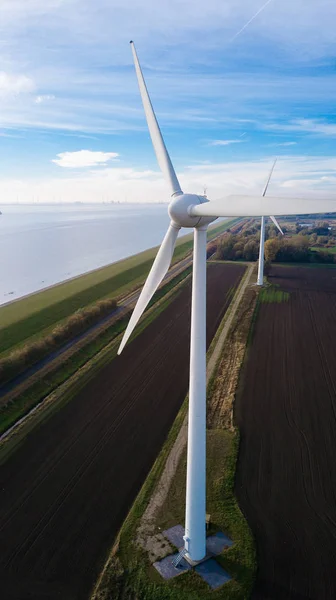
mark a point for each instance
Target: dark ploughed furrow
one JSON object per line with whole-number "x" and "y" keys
{"x": 286, "y": 412}
{"x": 66, "y": 490}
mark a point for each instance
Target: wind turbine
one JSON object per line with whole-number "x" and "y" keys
{"x": 191, "y": 210}
{"x": 260, "y": 280}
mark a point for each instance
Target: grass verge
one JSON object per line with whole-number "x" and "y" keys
{"x": 129, "y": 574}
{"x": 272, "y": 294}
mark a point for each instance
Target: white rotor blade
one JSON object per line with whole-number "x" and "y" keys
{"x": 159, "y": 268}
{"x": 258, "y": 206}
{"x": 269, "y": 177}
{"x": 264, "y": 194}
{"x": 277, "y": 224}
{"x": 162, "y": 155}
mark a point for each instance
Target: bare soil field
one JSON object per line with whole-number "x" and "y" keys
{"x": 286, "y": 413}
{"x": 66, "y": 490}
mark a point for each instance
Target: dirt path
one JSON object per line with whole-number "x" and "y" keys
{"x": 228, "y": 322}
{"x": 146, "y": 532}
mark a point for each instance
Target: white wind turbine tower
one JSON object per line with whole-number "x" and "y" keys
{"x": 260, "y": 280}
{"x": 190, "y": 210}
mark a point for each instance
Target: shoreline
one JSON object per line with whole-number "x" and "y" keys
{"x": 91, "y": 271}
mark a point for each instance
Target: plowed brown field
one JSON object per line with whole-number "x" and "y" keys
{"x": 67, "y": 489}
{"x": 286, "y": 412}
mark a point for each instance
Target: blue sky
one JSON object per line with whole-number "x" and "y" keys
{"x": 72, "y": 125}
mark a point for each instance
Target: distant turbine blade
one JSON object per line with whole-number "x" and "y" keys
{"x": 264, "y": 194}
{"x": 159, "y": 269}
{"x": 162, "y": 155}
{"x": 258, "y": 206}
{"x": 277, "y": 224}
{"x": 269, "y": 177}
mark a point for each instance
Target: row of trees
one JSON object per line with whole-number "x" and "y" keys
{"x": 243, "y": 246}
{"x": 278, "y": 248}
{"x": 295, "y": 249}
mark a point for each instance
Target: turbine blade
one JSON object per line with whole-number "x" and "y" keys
{"x": 277, "y": 224}
{"x": 159, "y": 268}
{"x": 269, "y": 177}
{"x": 162, "y": 155}
{"x": 258, "y": 206}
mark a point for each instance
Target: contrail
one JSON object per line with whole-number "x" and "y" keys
{"x": 250, "y": 21}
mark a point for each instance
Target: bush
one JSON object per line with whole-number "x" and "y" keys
{"x": 211, "y": 249}
{"x": 323, "y": 257}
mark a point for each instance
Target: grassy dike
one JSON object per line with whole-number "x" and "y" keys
{"x": 128, "y": 573}
{"x": 34, "y": 316}
{"x": 100, "y": 350}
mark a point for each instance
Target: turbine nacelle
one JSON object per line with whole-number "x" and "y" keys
{"x": 180, "y": 207}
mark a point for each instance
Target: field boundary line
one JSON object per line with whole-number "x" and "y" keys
{"x": 218, "y": 340}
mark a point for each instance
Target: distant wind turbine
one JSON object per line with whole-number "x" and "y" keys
{"x": 260, "y": 280}
{"x": 191, "y": 210}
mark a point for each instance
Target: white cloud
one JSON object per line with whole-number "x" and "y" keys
{"x": 287, "y": 144}
{"x": 306, "y": 126}
{"x": 83, "y": 64}
{"x": 306, "y": 174}
{"x": 21, "y": 9}
{"x": 44, "y": 98}
{"x": 83, "y": 158}
{"x": 10, "y": 135}
{"x": 13, "y": 85}
{"x": 315, "y": 126}
{"x": 310, "y": 182}
{"x": 224, "y": 142}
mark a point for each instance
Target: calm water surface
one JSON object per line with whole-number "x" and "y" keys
{"x": 43, "y": 245}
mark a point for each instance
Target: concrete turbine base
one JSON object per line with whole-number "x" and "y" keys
{"x": 194, "y": 563}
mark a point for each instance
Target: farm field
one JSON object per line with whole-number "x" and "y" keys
{"x": 286, "y": 413}
{"x": 68, "y": 487}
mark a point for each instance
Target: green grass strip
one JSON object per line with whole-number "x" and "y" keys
{"x": 271, "y": 294}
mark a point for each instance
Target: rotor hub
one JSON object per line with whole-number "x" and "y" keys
{"x": 179, "y": 211}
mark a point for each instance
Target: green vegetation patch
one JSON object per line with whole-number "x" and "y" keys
{"x": 272, "y": 294}
{"x": 331, "y": 249}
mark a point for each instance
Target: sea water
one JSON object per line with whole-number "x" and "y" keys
{"x": 41, "y": 245}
